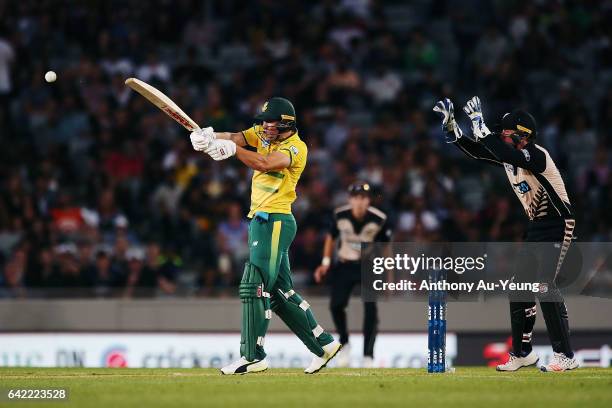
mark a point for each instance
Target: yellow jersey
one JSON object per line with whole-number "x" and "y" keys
{"x": 274, "y": 191}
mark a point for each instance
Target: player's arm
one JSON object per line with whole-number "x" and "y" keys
{"x": 385, "y": 233}
{"x": 477, "y": 151}
{"x": 273, "y": 161}
{"x": 531, "y": 159}
{"x": 221, "y": 149}
{"x": 236, "y": 137}
{"x": 328, "y": 251}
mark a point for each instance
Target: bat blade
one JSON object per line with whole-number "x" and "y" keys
{"x": 159, "y": 99}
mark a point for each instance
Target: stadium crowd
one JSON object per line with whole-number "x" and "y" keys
{"x": 100, "y": 191}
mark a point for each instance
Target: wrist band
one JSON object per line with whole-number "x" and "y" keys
{"x": 326, "y": 261}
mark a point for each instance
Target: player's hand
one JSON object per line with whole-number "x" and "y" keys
{"x": 320, "y": 273}
{"x": 221, "y": 149}
{"x": 451, "y": 129}
{"x": 201, "y": 138}
{"x": 474, "y": 111}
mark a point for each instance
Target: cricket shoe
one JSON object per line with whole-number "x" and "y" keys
{"x": 343, "y": 359}
{"x": 560, "y": 362}
{"x": 514, "y": 362}
{"x": 330, "y": 350}
{"x": 368, "y": 362}
{"x": 244, "y": 366}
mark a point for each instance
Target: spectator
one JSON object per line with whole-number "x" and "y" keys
{"x": 40, "y": 268}
{"x": 337, "y": 132}
{"x": 105, "y": 276}
{"x": 580, "y": 144}
{"x": 344, "y": 82}
{"x": 93, "y": 162}
{"x": 383, "y": 85}
{"x": 7, "y": 58}
{"x": 490, "y": 50}
{"x": 169, "y": 271}
{"x": 421, "y": 54}
{"x": 232, "y": 240}
{"x": 13, "y": 281}
{"x": 418, "y": 221}
{"x": 153, "y": 70}
{"x": 67, "y": 279}
{"x": 306, "y": 256}
{"x": 278, "y": 45}
{"x": 141, "y": 280}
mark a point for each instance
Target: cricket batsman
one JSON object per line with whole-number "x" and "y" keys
{"x": 266, "y": 284}
{"x": 539, "y": 187}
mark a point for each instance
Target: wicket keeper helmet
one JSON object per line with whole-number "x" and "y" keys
{"x": 522, "y": 123}
{"x": 360, "y": 187}
{"x": 281, "y": 110}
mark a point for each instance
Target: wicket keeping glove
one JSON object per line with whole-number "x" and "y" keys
{"x": 201, "y": 138}
{"x": 451, "y": 129}
{"x": 474, "y": 111}
{"x": 221, "y": 149}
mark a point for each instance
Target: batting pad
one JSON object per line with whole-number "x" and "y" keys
{"x": 296, "y": 313}
{"x": 256, "y": 313}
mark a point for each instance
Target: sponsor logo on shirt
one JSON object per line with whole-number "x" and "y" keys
{"x": 522, "y": 187}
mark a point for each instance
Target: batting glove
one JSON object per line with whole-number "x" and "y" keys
{"x": 201, "y": 138}
{"x": 451, "y": 129}
{"x": 221, "y": 149}
{"x": 474, "y": 111}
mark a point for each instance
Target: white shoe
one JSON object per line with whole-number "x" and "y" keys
{"x": 244, "y": 366}
{"x": 368, "y": 362}
{"x": 560, "y": 362}
{"x": 319, "y": 362}
{"x": 343, "y": 359}
{"x": 514, "y": 362}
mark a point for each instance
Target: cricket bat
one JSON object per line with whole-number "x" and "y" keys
{"x": 159, "y": 99}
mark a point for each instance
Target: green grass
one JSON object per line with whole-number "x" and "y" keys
{"x": 467, "y": 387}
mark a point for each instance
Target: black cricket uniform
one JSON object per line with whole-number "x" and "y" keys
{"x": 539, "y": 187}
{"x": 346, "y": 272}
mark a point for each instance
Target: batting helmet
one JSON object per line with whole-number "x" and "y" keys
{"x": 281, "y": 110}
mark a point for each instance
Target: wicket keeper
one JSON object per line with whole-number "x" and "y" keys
{"x": 266, "y": 284}
{"x": 539, "y": 187}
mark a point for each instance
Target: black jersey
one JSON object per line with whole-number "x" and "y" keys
{"x": 531, "y": 171}
{"x": 352, "y": 232}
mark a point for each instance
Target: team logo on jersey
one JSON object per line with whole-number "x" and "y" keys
{"x": 526, "y": 153}
{"x": 294, "y": 149}
{"x": 522, "y": 187}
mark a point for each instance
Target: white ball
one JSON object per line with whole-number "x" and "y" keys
{"x": 50, "y": 76}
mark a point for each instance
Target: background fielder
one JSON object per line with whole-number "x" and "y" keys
{"x": 266, "y": 284}
{"x": 353, "y": 224}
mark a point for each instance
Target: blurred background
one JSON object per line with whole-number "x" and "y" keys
{"x": 102, "y": 196}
